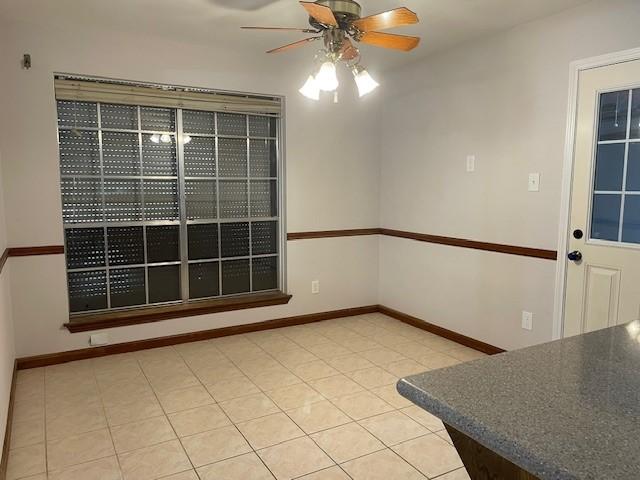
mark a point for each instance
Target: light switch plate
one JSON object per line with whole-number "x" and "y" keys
{"x": 534, "y": 182}
{"x": 527, "y": 320}
{"x": 471, "y": 163}
{"x": 315, "y": 286}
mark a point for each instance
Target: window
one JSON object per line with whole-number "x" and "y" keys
{"x": 166, "y": 204}
{"x": 615, "y": 211}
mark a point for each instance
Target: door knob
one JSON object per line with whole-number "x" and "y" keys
{"x": 575, "y": 256}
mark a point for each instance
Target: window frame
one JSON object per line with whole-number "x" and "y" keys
{"x": 234, "y": 300}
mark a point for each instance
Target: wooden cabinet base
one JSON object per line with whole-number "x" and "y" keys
{"x": 484, "y": 464}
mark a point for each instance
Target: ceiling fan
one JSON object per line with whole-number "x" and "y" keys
{"x": 337, "y": 22}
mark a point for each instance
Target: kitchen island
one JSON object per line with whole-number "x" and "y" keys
{"x": 564, "y": 410}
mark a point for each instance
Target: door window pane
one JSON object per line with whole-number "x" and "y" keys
{"x": 79, "y": 153}
{"x": 199, "y": 157}
{"x": 263, "y": 158}
{"x": 161, "y": 200}
{"x": 633, "y": 168}
{"x": 613, "y": 115}
{"x": 119, "y": 116}
{"x": 610, "y": 167}
{"x": 232, "y": 124}
{"x": 121, "y": 153}
{"x": 201, "y": 199}
{"x": 196, "y": 121}
{"x": 264, "y": 200}
{"x": 77, "y": 114}
{"x": 232, "y": 155}
{"x": 158, "y": 119}
{"x": 635, "y": 114}
{"x": 123, "y": 200}
{"x": 264, "y": 238}
{"x": 605, "y": 218}
{"x": 233, "y": 199}
{"x": 631, "y": 223}
{"x": 235, "y": 239}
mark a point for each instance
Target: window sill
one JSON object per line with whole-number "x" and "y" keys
{"x": 99, "y": 321}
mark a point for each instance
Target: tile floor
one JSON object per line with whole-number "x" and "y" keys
{"x": 313, "y": 402}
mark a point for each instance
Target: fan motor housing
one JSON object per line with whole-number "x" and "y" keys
{"x": 345, "y": 11}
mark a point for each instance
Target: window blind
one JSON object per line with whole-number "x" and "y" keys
{"x": 166, "y": 204}
{"x": 162, "y": 96}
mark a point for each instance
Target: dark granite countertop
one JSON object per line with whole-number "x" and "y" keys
{"x": 568, "y": 409}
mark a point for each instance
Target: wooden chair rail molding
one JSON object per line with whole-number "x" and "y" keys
{"x": 355, "y": 232}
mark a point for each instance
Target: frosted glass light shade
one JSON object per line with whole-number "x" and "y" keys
{"x": 364, "y": 81}
{"x": 310, "y": 89}
{"x": 326, "y": 78}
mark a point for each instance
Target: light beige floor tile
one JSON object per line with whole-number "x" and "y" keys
{"x": 404, "y": 368}
{"x": 362, "y": 405}
{"x": 28, "y": 432}
{"x": 103, "y": 469}
{"x": 393, "y": 427}
{"x": 125, "y": 392}
{"x": 267, "y": 431}
{"x": 332, "y": 473}
{"x": 75, "y": 422}
{"x": 349, "y": 363}
{"x": 336, "y": 386}
{"x": 424, "y": 418}
{"x": 188, "y": 475}
{"x": 438, "y": 360}
{"x": 154, "y": 462}
{"x": 413, "y": 350}
{"x": 29, "y": 408}
{"x": 197, "y": 420}
{"x": 390, "y": 394}
{"x": 274, "y": 380}
{"x": 429, "y": 454}
{"x": 383, "y": 465}
{"x": 249, "y": 407}
{"x": 465, "y": 354}
{"x": 230, "y": 388}
{"x": 314, "y": 370}
{"x": 185, "y": 399}
{"x": 215, "y": 445}
{"x": 244, "y": 467}
{"x": 170, "y": 382}
{"x": 291, "y": 358}
{"x": 295, "y": 458}
{"x": 140, "y": 409}
{"x": 372, "y": 377}
{"x": 318, "y": 416}
{"x": 358, "y": 343}
{"x": 347, "y": 442}
{"x": 328, "y": 350}
{"x": 382, "y": 356}
{"x": 79, "y": 449}
{"x": 443, "y": 434}
{"x": 294, "y": 396}
{"x": 214, "y": 373}
{"x": 460, "y": 474}
{"x": 25, "y": 461}
{"x": 40, "y": 476}
{"x": 143, "y": 433}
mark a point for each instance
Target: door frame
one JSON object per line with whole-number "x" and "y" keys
{"x": 575, "y": 68}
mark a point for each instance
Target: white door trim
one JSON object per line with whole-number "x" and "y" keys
{"x": 567, "y": 173}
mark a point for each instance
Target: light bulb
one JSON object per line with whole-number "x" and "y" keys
{"x": 165, "y": 138}
{"x": 310, "y": 89}
{"x": 155, "y": 138}
{"x": 186, "y": 139}
{"x": 365, "y": 83}
{"x": 326, "y": 78}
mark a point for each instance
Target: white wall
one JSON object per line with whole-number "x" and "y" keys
{"x": 332, "y": 174}
{"x": 503, "y": 99}
{"x": 7, "y": 349}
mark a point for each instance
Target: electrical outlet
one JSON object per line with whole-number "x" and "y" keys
{"x": 99, "y": 339}
{"x": 315, "y": 286}
{"x": 471, "y": 163}
{"x": 527, "y": 320}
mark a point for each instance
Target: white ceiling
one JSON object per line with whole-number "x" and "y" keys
{"x": 444, "y": 23}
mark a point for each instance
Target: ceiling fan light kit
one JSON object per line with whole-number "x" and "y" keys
{"x": 337, "y": 22}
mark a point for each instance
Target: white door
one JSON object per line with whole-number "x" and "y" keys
{"x": 603, "y": 271}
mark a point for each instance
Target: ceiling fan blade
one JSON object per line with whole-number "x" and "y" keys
{"x": 321, "y": 13}
{"x": 286, "y": 29}
{"x": 293, "y": 45}
{"x": 389, "y": 40}
{"x": 348, "y": 51}
{"x": 389, "y": 19}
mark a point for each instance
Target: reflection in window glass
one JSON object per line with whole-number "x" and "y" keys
{"x": 613, "y": 115}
